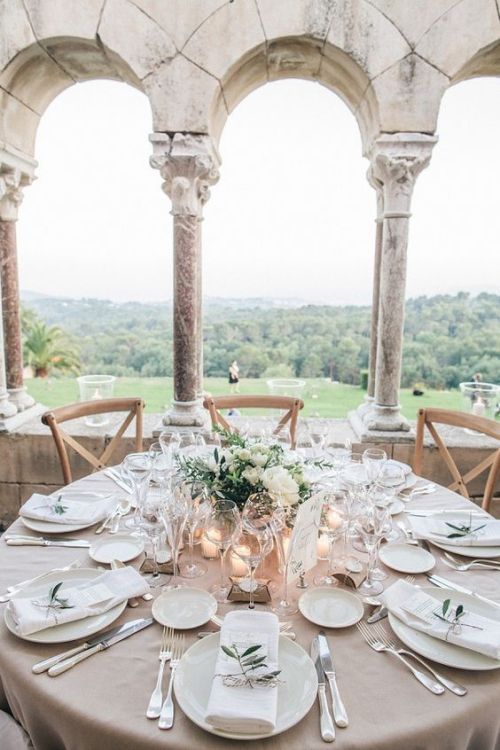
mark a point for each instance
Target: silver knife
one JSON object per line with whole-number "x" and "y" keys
{"x": 326, "y": 722}
{"x": 339, "y": 712}
{"x": 379, "y": 614}
{"x": 444, "y": 583}
{"x": 40, "y": 538}
{"x": 102, "y": 644}
{"x": 46, "y": 543}
{"x": 43, "y": 666}
{"x": 117, "y": 479}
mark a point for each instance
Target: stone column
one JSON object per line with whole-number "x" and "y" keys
{"x": 12, "y": 181}
{"x": 397, "y": 160}
{"x": 188, "y": 164}
{"x": 372, "y": 361}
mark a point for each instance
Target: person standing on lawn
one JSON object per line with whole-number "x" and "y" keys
{"x": 234, "y": 377}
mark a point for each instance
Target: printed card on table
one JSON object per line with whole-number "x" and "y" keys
{"x": 303, "y": 543}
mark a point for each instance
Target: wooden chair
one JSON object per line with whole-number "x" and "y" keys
{"x": 53, "y": 419}
{"x": 289, "y": 404}
{"x": 428, "y": 417}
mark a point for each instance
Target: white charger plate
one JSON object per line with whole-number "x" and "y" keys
{"x": 331, "y": 607}
{"x": 296, "y": 692}
{"x": 467, "y": 550}
{"x": 441, "y": 651}
{"x": 405, "y": 468}
{"x": 46, "y": 527}
{"x": 184, "y": 608}
{"x": 407, "y": 558}
{"x": 122, "y": 547}
{"x": 68, "y": 631}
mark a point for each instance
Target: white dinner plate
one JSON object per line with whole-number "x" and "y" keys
{"x": 441, "y": 651}
{"x": 406, "y": 558}
{"x": 46, "y": 527}
{"x": 405, "y": 468}
{"x": 296, "y": 691}
{"x": 331, "y": 607}
{"x": 184, "y": 608}
{"x": 68, "y": 631}
{"x": 466, "y": 550}
{"x": 122, "y": 547}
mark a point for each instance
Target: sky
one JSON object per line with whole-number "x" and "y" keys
{"x": 291, "y": 217}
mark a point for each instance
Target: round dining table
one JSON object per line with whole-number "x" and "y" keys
{"x": 100, "y": 704}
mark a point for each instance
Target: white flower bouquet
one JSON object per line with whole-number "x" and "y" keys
{"x": 241, "y": 468}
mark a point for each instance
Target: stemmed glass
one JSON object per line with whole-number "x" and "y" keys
{"x": 374, "y": 460}
{"x": 137, "y": 467}
{"x": 371, "y": 528}
{"x": 389, "y": 483}
{"x": 222, "y": 528}
{"x": 284, "y": 517}
{"x": 152, "y": 526}
{"x": 174, "y": 520}
{"x": 198, "y": 511}
{"x": 338, "y": 457}
{"x": 334, "y": 522}
{"x": 252, "y": 548}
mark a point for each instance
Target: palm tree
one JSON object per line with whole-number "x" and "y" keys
{"x": 47, "y": 348}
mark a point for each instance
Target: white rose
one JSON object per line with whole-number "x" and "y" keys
{"x": 278, "y": 481}
{"x": 228, "y": 457}
{"x": 252, "y": 474}
{"x": 244, "y": 454}
{"x": 259, "y": 448}
{"x": 259, "y": 459}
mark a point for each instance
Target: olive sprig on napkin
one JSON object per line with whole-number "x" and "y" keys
{"x": 249, "y": 661}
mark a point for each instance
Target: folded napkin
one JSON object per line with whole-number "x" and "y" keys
{"x": 433, "y": 529}
{"x": 92, "y": 598}
{"x": 417, "y": 609}
{"x": 249, "y": 710}
{"x": 66, "y": 508}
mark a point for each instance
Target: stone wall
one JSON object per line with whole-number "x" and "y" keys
{"x": 29, "y": 461}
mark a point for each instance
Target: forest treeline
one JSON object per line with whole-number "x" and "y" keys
{"x": 446, "y": 340}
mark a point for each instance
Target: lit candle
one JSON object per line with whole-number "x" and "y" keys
{"x": 323, "y": 547}
{"x": 479, "y": 408}
{"x": 238, "y": 566}
{"x": 334, "y": 520}
{"x": 96, "y": 396}
{"x": 210, "y": 550}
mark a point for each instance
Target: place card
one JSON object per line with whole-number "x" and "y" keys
{"x": 348, "y": 577}
{"x": 304, "y": 540}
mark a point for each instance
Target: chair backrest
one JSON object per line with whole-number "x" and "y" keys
{"x": 54, "y": 418}
{"x": 429, "y": 417}
{"x": 289, "y": 404}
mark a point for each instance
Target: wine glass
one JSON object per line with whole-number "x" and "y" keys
{"x": 371, "y": 528}
{"x": 198, "y": 511}
{"x": 304, "y": 444}
{"x": 160, "y": 464}
{"x": 338, "y": 457}
{"x": 174, "y": 520}
{"x": 152, "y": 526}
{"x": 223, "y": 526}
{"x": 284, "y": 542}
{"x": 137, "y": 467}
{"x": 252, "y": 548}
{"x": 373, "y": 461}
{"x": 334, "y": 522}
{"x": 387, "y": 486}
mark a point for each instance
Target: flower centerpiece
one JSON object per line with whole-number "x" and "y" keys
{"x": 241, "y": 469}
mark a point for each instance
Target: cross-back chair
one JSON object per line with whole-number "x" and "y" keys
{"x": 54, "y": 418}
{"x": 289, "y": 404}
{"x": 427, "y": 418}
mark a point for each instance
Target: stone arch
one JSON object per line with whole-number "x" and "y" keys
{"x": 56, "y": 43}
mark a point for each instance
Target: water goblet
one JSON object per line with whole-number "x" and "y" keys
{"x": 137, "y": 467}
{"x": 222, "y": 527}
{"x": 252, "y": 548}
{"x": 371, "y": 529}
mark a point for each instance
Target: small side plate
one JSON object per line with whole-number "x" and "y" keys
{"x": 122, "y": 547}
{"x": 407, "y": 558}
{"x": 184, "y": 608}
{"x": 331, "y": 607}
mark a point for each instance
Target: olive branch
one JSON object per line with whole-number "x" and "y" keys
{"x": 454, "y": 618}
{"x": 248, "y": 662}
{"x": 461, "y": 530}
{"x": 55, "y": 602}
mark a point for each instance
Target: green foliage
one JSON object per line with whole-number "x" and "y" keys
{"x": 47, "y": 348}
{"x": 447, "y": 339}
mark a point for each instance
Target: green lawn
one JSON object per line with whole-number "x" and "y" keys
{"x": 322, "y": 398}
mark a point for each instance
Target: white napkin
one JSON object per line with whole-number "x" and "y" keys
{"x": 92, "y": 598}
{"x": 416, "y": 608}
{"x": 245, "y": 709}
{"x": 434, "y": 529}
{"x": 75, "y": 511}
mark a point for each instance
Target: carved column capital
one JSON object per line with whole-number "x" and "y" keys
{"x": 188, "y": 164}
{"x": 396, "y": 162}
{"x": 12, "y": 182}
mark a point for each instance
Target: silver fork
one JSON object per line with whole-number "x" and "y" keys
{"x": 469, "y": 566}
{"x": 154, "y": 708}
{"x": 167, "y": 711}
{"x": 385, "y": 638}
{"x": 374, "y": 643}
{"x": 477, "y": 561}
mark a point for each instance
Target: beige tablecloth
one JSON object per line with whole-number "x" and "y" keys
{"x": 101, "y": 703}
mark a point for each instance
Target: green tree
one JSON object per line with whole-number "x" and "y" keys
{"x": 47, "y": 349}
